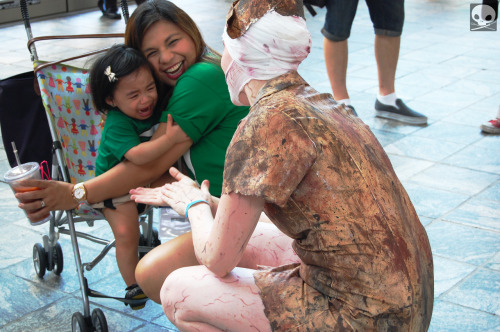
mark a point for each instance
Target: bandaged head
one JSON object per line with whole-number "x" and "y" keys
{"x": 265, "y": 46}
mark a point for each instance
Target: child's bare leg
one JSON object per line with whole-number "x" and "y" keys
{"x": 195, "y": 299}
{"x": 125, "y": 226}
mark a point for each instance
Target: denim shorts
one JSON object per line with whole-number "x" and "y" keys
{"x": 387, "y": 18}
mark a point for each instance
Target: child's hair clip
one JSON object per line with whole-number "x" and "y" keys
{"x": 111, "y": 76}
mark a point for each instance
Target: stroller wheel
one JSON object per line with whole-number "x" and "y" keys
{"x": 79, "y": 323}
{"x": 99, "y": 320}
{"x": 58, "y": 259}
{"x": 39, "y": 259}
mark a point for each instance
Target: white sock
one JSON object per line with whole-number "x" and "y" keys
{"x": 345, "y": 101}
{"x": 390, "y": 99}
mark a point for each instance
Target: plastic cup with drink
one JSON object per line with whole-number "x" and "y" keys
{"x": 27, "y": 171}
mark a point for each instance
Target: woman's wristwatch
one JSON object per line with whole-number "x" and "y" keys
{"x": 79, "y": 193}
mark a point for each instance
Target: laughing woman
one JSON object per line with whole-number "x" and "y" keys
{"x": 198, "y": 100}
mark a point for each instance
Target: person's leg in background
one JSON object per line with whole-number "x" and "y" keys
{"x": 386, "y": 54}
{"x": 337, "y": 29}
{"x": 109, "y": 9}
{"x": 388, "y": 20}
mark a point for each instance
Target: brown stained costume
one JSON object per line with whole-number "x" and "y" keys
{"x": 245, "y": 12}
{"x": 329, "y": 185}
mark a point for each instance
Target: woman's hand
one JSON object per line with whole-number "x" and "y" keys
{"x": 56, "y": 195}
{"x": 177, "y": 195}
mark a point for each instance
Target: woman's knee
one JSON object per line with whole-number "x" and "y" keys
{"x": 160, "y": 261}
{"x": 143, "y": 268}
{"x": 268, "y": 246}
{"x": 173, "y": 290}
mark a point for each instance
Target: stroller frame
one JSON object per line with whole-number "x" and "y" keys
{"x": 49, "y": 256}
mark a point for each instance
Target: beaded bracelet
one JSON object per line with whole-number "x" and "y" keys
{"x": 193, "y": 203}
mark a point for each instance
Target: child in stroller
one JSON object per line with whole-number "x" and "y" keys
{"x": 123, "y": 88}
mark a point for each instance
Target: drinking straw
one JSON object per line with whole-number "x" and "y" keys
{"x": 15, "y": 153}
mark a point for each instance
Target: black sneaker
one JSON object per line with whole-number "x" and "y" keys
{"x": 135, "y": 292}
{"x": 100, "y": 5}
{"x": 400, "y": 113}
{"x": 111, "y": 14}
{"x": 352, "y": 109}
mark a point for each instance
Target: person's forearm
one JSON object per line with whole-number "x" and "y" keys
{"x": 219, "y": 242}
{"x": 149, "y": 151}
{"x": 125, "y": 176}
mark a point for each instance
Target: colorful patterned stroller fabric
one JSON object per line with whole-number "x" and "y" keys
{"x": 75, "y": 116}
{"x": 65, "y": 92}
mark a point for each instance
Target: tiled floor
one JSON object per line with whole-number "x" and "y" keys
{"x": 450, "y": 169}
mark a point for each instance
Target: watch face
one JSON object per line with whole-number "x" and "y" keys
{"x": 79, "y": 193}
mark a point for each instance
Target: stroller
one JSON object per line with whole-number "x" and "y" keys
{"x": 75, "y": 129}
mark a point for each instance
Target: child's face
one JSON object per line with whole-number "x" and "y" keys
{"x": 169, "y": 50}
{"x": 135, "y": 94}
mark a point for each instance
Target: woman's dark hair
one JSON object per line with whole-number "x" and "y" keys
{"x": 154, "y": 11}
{"x": 122, "y": 60}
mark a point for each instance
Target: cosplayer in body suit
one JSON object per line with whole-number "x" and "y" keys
{"x": 366, "y": 262}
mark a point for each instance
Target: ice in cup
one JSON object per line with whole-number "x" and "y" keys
{"x": 25, "y": 171}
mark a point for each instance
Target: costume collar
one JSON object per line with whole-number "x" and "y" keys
{"x": 279, "y": 83}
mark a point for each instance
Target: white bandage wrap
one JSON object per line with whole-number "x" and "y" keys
{"x": 272, "y": 46}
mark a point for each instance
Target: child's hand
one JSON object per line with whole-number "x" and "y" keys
{"x": 174, "y": 132}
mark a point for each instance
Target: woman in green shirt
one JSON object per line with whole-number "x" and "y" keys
{"x": 199, "y": 102}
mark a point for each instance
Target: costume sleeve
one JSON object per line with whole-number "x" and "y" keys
{"x": 268, "y": 157}
{"x": 197, "y": 104}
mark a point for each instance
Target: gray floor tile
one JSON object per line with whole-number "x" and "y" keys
{"x": 406, "y": 167}
{"x": 485, "y": 76}
{"x": 471, "y": 116}
{"x": 473, "y": 61}
{"x": 494, "y": 263}
{"x": 463, "y": 243}
{"x": 19, "y": 297}
{"x": 477, "y": 157}
{"x": 433, "y": 203}
{"x": 163, "y": 321}
{"x": 479, "y": 88}
{"x": 424, "y": 148}
{"x": 478, "y": 213}
{"x": 385, "y": 137}
{"x": 455, "y": 179}
{"x": 448, "y": 273}
{"x": 426, "y": 79}
{"x": 451, "y": 98}
{"x": 57, "y": 317}
{"x": 449, "y": 317}
{"x": 491, "y": 193}
{"x": 480, "y": 291}
{"x": 385, "y": 124}
{"x": 465, "y": 133}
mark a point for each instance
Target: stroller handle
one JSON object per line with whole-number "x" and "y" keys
{"x": 27, "y": 27}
